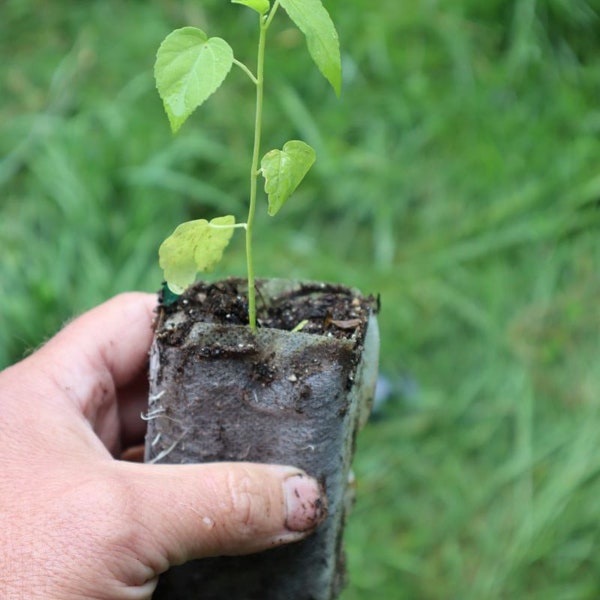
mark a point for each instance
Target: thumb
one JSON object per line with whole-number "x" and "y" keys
{"x": 195, "y": 511}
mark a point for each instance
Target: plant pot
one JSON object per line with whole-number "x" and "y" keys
{"x": 218, "y": 392}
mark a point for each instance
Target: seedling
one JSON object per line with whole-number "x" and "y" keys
{"x": 189, "y": 68}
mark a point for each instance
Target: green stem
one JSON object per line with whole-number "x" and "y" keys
{"x": 271, "y": 14}
{"x": 245, "y": 69}
{"x": 234, "y": 226}
{"x": 254, "y": 170}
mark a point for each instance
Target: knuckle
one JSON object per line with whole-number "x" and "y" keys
{"x": 247, "y": 502}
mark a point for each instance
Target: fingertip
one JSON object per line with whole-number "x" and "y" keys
{"x": 114, "y": 336}
{"x": 306, "y": 502}
{"x": 133, "y": 454}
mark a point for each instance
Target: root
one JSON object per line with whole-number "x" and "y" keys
{"x": 168, "y": 450}
{"x": 157, "y": 396}
{"x": 153, "y": 414}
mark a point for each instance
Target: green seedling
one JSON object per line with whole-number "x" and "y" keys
{"x": 189, "y": 68}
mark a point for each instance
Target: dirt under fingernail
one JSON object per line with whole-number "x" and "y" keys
{"x": 306, "y": 503}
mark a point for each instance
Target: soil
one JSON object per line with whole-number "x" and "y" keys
{"x": 319, "y": 308}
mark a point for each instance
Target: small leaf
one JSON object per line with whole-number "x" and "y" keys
{"x": 189, "y": 68}
{"x": 260, "y": 6}
{"x": 313, "y": 20}
{"x": 283, "y": 171}
{"x": 194, "y": 246}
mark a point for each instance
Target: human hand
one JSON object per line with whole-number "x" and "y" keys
{"x": 76, "y": 523}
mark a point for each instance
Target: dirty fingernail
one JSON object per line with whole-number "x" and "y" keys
{"x": 306, "y": 503}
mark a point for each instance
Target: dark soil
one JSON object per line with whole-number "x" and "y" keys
{"x": 319, "y": 308}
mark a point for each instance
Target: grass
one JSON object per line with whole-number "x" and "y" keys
{"x": 457, "y": 176}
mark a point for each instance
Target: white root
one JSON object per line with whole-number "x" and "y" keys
{"x": 153, "y": 414}
{"x": 168, "y": 450}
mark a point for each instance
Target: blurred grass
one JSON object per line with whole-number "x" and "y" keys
{"x": 458, "y": 176}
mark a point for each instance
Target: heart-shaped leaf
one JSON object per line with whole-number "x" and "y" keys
{"x": 260, "y": 6}
{"x": 313, "y": 20}
{"x": 194, "y": 246}
{"x": 283, "y": 171}
{"x": 189, "y": 67}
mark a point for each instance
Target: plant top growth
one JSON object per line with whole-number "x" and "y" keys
{"x": 189, "y": 68}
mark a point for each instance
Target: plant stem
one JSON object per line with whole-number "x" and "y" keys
{"x": 246, "y": 70}
{"x": 254, "y": 171}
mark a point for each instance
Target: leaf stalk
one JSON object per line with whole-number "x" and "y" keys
{"x": 246, "y": 70}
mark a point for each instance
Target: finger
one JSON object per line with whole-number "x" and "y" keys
{"x": 195, "y": 511}
{"x": 114, "y": 336}
{"x": 104, "y": 349}
{"x": 133, "y": 404}
{"x": 133, "y": 453}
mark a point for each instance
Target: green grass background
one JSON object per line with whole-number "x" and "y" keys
{"x": 458, "y": 176}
